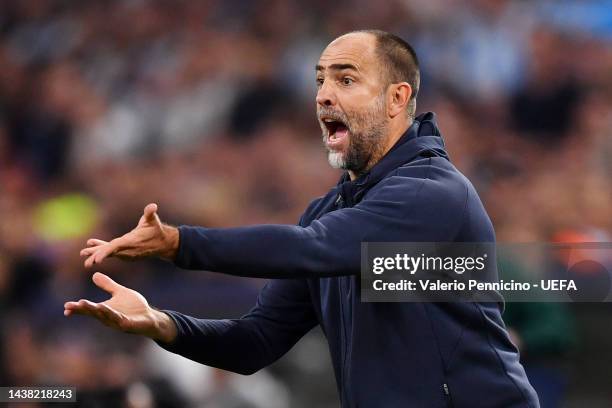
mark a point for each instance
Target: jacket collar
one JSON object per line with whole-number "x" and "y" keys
{"x": 422, "y": 139}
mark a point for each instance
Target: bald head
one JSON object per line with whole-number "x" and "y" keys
{"x": 360, "y": 41}
{"x": 395, "y": 59}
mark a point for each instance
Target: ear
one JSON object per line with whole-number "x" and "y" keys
{"x": 398, "y": 96}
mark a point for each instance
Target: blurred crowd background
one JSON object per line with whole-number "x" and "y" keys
{"x": 207, "y": 108}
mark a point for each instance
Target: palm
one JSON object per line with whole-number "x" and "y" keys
{"x": 126, "y": 310}
{"x": 129, "y": 303}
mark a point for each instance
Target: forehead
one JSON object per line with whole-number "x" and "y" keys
{"x": 357, "y": 49}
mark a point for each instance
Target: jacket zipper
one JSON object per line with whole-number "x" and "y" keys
{"x": 344, "y": 296}
{"x": 447, "y": 396}
{"x": 347, "y": 339}
{"x": 342, "y": 343}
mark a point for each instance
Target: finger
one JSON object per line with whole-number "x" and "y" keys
{"x": 92, "y": 244}
{"x": 88, "y": 262}
{"x": 87, "y": 251}
{"x": 104, "y": 282}
{"x": 104, "y": 251}
{"x": 113, "y": 316}
{"x": 102, "y": 312}
{"x": 96, "y": 311}
{"x": 95, "y": 242}
{"x": 150, "y": 213}
{"x": 100, "y": 253}
{"x": 82, "y": 307}
{"x": 103, "y": 318}
{"x": 68, "y": 308}
{"x": 70, "y": 305}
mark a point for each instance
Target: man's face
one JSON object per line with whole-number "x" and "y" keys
{"x": 351, "y": 105}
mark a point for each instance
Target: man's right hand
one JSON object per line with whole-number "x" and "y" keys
{"x": 126, "y": 310}
{"x": 149, "y": 238}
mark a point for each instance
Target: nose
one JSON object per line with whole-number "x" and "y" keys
{"x": 326, "y": 95}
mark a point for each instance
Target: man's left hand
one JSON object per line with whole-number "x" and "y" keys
{"x": 150, "y": 238}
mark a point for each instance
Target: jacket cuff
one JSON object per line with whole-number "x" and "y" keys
{"x": 176, "y": 345}
{"x": 184, "y": 254}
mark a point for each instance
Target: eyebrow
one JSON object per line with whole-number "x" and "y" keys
{"x": 337, "y": 67}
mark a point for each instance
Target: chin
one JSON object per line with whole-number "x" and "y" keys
{"x": 336, "y": 159}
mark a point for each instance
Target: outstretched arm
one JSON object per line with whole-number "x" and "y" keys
{"x": 282, "y": 315}
{"x": 330, "y": 245}
{"x": 418, "y": 210}
{"x": 421, "y": 211}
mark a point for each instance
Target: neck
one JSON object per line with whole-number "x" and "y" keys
{"x": 395, "y": 133}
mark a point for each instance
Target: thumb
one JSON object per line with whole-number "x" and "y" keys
{"x": 104, "y": 282}
{"x": 150, "y": 212}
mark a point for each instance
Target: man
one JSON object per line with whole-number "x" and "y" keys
{"x": 399, "y": 186}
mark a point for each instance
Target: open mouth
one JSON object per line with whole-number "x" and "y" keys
{"x": 337, "y": 131}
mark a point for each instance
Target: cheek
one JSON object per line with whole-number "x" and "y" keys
{"x": 359, "y": 107}
{"x": 355, "y": 97}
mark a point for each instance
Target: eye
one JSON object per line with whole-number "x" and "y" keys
{"x": 319, "y": 82}
{"x": 347, "y": 81}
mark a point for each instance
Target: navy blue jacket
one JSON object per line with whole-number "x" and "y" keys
{"x": 384, "y": 354}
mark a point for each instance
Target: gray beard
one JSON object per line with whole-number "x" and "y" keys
{"x": 365, "y": 142}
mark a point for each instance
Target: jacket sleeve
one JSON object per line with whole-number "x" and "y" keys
{"x": 418, "y": 211}
{"x": 282, "y": 315}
